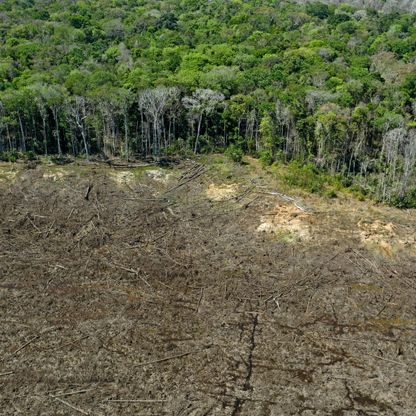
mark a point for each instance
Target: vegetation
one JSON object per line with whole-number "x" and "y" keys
{"x": 330, "y": 87}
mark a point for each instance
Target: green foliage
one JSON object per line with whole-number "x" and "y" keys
{"x": 306, "y": 176}
{"x": 30, "y": 155}
{"x": 408, "y": 200}
{"x": 234, "y": 153}
{"x": 318, "y": 9}
{"x": 266, "y": 157}
{"x": 319, "y": 83}
{"x": 61, "y": 160}
{"x": 9, "y": 156}
{"x": 315, "y": 180}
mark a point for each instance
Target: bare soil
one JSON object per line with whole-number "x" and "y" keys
{"x": 200, "y": 290}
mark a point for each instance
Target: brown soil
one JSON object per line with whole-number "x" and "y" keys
{"x": 135, "y": 293}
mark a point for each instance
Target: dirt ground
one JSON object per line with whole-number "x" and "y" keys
{"x": 201, "y": 289}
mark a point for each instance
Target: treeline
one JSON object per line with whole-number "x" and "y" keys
{"x": 332, "y": 86}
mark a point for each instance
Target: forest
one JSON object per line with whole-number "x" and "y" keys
{"x": 329, "y": 87}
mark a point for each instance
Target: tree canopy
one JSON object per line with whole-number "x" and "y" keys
{"x": 330, "y": 85}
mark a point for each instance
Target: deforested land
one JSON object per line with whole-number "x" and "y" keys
{"x": 206, "y": 287}
{"x": 207, "y": 208}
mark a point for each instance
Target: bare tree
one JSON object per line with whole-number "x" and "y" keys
{"x": 398, "y": 155}
{"x": 77, "y": 111}
{"x": 202, "y": 102}
{"x": 154, "y": 104}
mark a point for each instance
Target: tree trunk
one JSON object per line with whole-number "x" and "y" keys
{"x": 84, "y": 138}
{"x": 8, "y": 137}
{"x": 126, "y": 135}
{"x": 58, "y": 138}
{"x": 45, "y": 139}
{"x": 197, "y": 133}
{"x": 22, "y": 132}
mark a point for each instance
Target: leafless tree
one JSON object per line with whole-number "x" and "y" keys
{"x": 77, "y": 111}
{"x": 202, "y": 102}
{"x": 153, "y": 103}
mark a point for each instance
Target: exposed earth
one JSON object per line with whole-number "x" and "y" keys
{"x": 206, "y": 288}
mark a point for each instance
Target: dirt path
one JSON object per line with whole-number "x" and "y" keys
{"x": 200, "y": 291}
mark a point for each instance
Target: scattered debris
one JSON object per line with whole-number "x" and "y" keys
{"x": 166, "y": 302}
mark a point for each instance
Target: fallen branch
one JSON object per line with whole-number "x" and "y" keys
{"x": 197, "y": 174}
{"x": 74, "y": 342}
{"x": 72, "y": 393}
{"x": 7, "y": 373}
{"x": 288, "y": 199}
{"x": 70, "y": 214}
{"x": 70, "y": 405}
{"x": 135, "y": 401}
{"x": 87, "y": 192}
{"x": 172, "y": 357}
{"x": 34, "y": 225}
{"x": 25, "y": 345}
{"x": 384, "y": 359}
{"x": 50, "y": 229}
{"x": 127, "y": 269}
{"x": 200, "y": 300}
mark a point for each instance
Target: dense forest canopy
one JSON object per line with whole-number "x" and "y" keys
{"x": 328, "y": 85}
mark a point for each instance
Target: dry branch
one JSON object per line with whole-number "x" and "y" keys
{"x": 87, "y": 192}
{"x": 135, "y": 272}
{"x": 70, "y": 405}
{"x": 25, "y": 345}
{"x": 289, "y": 199}
{"x": 172, "y": 357}
{"x": 135, "y": 401}
{"x": 200, "y": 300}
{"x": 71, "y": 393}
{"x": 194, "y": 176}
{"x": 69, "y": 343}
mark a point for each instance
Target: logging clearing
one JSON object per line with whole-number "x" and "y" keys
{"x": 202, "y": 288}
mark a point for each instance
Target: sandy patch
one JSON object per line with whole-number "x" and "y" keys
{"x": 385, "y": 237}
{"x": 8, "y": 175}
{"x": 287, "y": 220}
{"x": 54, "y": 175}
{"x": 158, "y": 175}
{"x": 122, "y": 177}
{"x": 221, "y": 192}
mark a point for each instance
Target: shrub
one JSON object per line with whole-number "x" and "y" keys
{"x": 10, "y": 156}
{"x": 306, "y": 176}
{"x": 266, "y": 157}
{"x": 61, "y": 160}
{"x": 234, "y": 153}
{"x": 406, "y": 201}
{"x": 30, "y": 155}
{"x": 331, "y": 193}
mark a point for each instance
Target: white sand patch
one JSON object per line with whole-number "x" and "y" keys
{"x": 54, "y": 175}
{"x": 122, "y": 177}
{"x": 158, "y": 175}
{"x": 385, "y": 237}
{"x": 221, "y": 192}
{"x": 287, "y": 219}
{"x": 8, "y": 175}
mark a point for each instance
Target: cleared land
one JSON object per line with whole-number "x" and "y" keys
{"x": 201, "y": 290}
